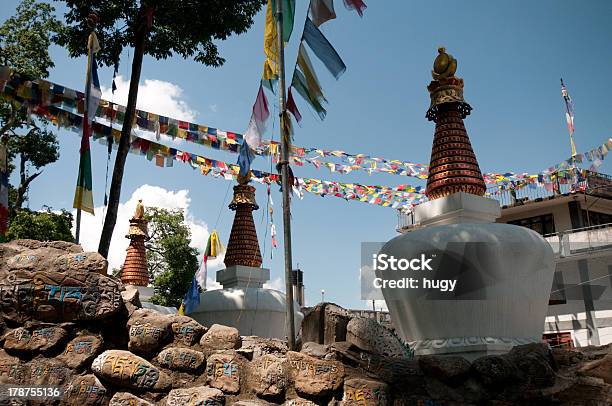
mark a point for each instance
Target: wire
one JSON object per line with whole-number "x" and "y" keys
{"x": 581, "y": 283}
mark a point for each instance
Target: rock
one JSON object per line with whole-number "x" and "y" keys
{"x": 370, "y": 336}
{"x": 269, "y": 374}
{"x": 148, "y": 330}
{"x": 124, "y": 369}
{"x": 223, "y": 372}
{"x": 535, "y": 370}
{"x": 254, "y": 347}
{"x": 34, "y": 339}
{"x": 48, "y": 372}
{"x": 127, "y": 399}
{"x": 495, "y": 370}
{"x": 199, "y": 395}
{"x": 601, "y": 368}
{"x": 450, "y": 369}
{"x": 181, "y": 359}
{"x": 398, "y": 371}
{"x": 131, "y": 299}
{"x": 12, "y": 370}
{"x": 82, "y": 261}
{"x": 186, "y": 330}
{"x": 81, "y": 351}
{"x": 325, "y": 324}
{"x": 299, "y": 402}
{"x": 250, "y": 403}
{"x": 85, "y": 390}
{"x": 35, "y": 260}
{"x": 312, "y": 376}
{"x": 220, "y": 337}
{"x": 315, "y": 349}
{"x": 58, "y": 296}
{"x": 541, "y": 350}
{"x": 365, "y": 392}
{"x": 566, "y": 357}
{"x": 583, "y": 390}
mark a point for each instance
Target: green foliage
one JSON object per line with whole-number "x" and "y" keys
{"x": 185, "y": 28}
{"x": 171, "y": 261}
{"x": 43, "y": 225}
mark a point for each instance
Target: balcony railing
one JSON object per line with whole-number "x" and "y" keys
{"x": 581, "y": 240}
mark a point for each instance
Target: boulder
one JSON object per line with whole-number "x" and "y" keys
{"x": 325, "y": 323}
{"x": 601, "y": 368}
{"x": 567, "y": 357}
{"x": 540, "y": 350}
{"x": 131, "y": 299}
{"x": 254, "y": 347}
{"x": 124, "y": 369}
{"x": 186, "y": 331}
{"x": 199, "y": 395}
{"x": 127, "y": 399}
{"x": 397, "y": 371}
{"x": 85, "y": 390}
{"x": 82, "y": 261}
{"x": 450, "y": 369}
{"x": 583, "y": 390}
{"x": 148, "y": 330}
{"x": 312, "y": 376}
{"x": 12, "y": 370}
{"x": 370, "y": 336}
{"x": 220, "y": 337}
{"x": 81, "y": 350}
{"x": 495, "y": 370}
{"x": 48, "y": 372}
{"x": 40, "y": 259}
{"x": 315, "y": 349}
{"x": 223, "y": 372}
{"x": 35, "y": 338}
{"x": 299, "y": 402}
{"x": 269, "y": 375}
{"x": 535, "y": 370}
{"x": 181, "y": 359}
{"x": 58, "y": 296}
{"x": 365, "y": 392}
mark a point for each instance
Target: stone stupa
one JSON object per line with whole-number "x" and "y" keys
{"x": 503, "y": 272}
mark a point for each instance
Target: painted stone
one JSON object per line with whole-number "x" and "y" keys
{"x": 313, "y": 376}
{"x": 40, "y": 338}
{"x": 365, "y": 392}
{"x": 124, "y": 369}
{"x": 86, "y": 390}
{"x": 81, "y": 351}
{"x": 269, "y": 375}
{"x": 148, "y": 330}
{"x": 82, "y": 261}
{"x": 299, "y": 402}
{"x": 48, "y": 372}
{"x": 181, "y": 359}
{"x": 186, "y": 331}
{"x": 220, "y": 337}
{"x": 370, "y": 336}
{"x": 58, "y": 296}
{"x": 223, "y": 372}
{"x": 12, "y": 370}
{"x": 199, "y": 395}
{"x": 254, "y": 347}
{"x": 127, "y": 399}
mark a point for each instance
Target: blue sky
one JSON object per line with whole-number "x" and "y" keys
{"x": 511, "y": 56}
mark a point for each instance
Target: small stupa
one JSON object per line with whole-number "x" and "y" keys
{"x": 134, "y": 271}
{"x": 243, "y": 302}
{"x": 502, "y": 272}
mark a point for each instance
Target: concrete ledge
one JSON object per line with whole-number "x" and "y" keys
{"x": 457, "y": 208}
{"x": 239, "y": 276}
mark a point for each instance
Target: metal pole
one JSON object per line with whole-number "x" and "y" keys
{"x": 85, "y": 114}
{"x": 284, "y": 167}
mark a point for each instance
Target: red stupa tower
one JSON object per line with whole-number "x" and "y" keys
{"x": 134, "y": 271}
{"x": 243, "y": 246}
{"x": 453, "y": 166}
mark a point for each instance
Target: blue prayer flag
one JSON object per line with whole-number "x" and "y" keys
{"x": 323, "y": 49}
{"x": 245, "y": 158}
{"x": 192, "y": 297}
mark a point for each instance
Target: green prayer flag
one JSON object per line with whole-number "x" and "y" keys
{"x": 299, "y": 83}
{"x": 288, "y": 17}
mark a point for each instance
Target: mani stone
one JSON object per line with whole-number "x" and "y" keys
{"x": 186, "y": 331}
{"x": 81, "y": 350}
{"x": 219, "y": 338}
{"x": 58, "y": 296}
{"x": 601, "y": 368}
{"x": 223, "y": 372}
{"x": 81, "y": 261}
{"x": 34, "y": 339}
{"x": 181, "y": 359}
{"x": 148, "y": 330}
{"x": 131, "y": 299}
{"x": 299, "y": 402}
{"x": 313, "y": 376}
{"x": 370, "y": 336}
{"x": 199, "y": 395}
{"x": 12, "y": 370}
{"x": 124, "y": 369}
{"x": 269, "y": 375}
{"x": 85, "y": 390}
{"x": 48, "y": 372}
{"x": 127, "y": 399}
{"x": 254, "y": 347}
{"x": 365, "y": 392}
{"x": 449, "y": 369}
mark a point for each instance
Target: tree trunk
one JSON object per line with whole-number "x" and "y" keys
{"x": 124, "y": 142}
{"x": 24, "y": 182}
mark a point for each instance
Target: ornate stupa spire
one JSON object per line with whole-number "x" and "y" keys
{"x": 243, "y": 246}
{"x": 134, "y": 270}
{"x": 453, "y": 166}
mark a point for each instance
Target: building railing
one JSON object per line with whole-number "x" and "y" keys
{"x": 581, "y": 240}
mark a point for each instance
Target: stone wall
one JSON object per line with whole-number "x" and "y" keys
{"x": 65, "y": 323}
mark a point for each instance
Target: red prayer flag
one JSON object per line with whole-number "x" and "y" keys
{"x": 292, "y": 107}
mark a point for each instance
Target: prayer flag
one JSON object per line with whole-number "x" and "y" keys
{"x": 303, "y": 61}
{"x": 270, "y": 46}
{"x": 357, "y": 5}
{"x": 569, "y": 116}
{"x": 288, "y": 17}
{"x": 214, "y": 248}
{"x": 323, "y": 49}
{"x": 245, "y": 158}
{"x": 299, "y": 83}
{"x": 192, "y": 297}
{"x": 292, "y": 107}
{"x": 321, "y": 11}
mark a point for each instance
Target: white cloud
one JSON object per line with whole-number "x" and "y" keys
{"x": 213, "y": 108}
{"x": 91, "y": 226}
{"x": 276, "y": 284}
{"x": 155, "y": 96}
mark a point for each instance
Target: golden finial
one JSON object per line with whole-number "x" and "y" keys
{"x": 139, "y": 213}
{"x": 444, "y": 65}
{"x": 243, "y": 180}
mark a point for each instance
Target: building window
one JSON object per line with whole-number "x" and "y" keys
{"x": 544, "y": 224}
{"x": 595, "y": 219}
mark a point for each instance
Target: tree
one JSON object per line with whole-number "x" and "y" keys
{"x": 159, "y": 28}
{"x": 171, "y": 261}
{"x": 44, "y": 225}
{"x": 25, "y": 39}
